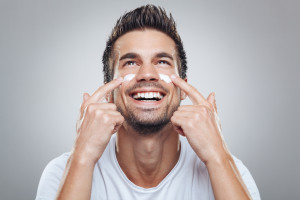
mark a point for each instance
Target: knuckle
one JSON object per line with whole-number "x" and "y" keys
{"x": 175, "y": 113}
{"x": 172, "y": 118}
{"x": 203, "y": 109}
{"x": 90, "y": 108}
{"x": 210, "y": 106}
{"x": 98, "y": 113}
{"x": 106, "y": 118}
{"x": 113, "y": 106}
{"x": 190, "y": 124}
{"x": 180, "y": 107}
{"x": 196, "y": 115}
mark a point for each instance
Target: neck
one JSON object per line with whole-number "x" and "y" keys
{"x": 147, "y": 160}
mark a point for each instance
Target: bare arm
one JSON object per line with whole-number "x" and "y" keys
{"x": 97, "y": 123}
{"x": 226, "y": 180}
{"x": 200, "y": 125}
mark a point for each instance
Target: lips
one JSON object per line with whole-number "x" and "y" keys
{"x": 147, "y": 96}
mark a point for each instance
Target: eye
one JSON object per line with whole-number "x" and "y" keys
{"x": 130, "y": 63}
{"x": 163, "y": 62}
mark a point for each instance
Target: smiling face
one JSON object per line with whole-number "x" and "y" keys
{"x": 145, "y": 100}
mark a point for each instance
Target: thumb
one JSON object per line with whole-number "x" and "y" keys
{"x": 211, "y": 98}
{"x": 86, "y": 96}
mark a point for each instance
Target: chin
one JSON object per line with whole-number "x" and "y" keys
{"x": 148, "y": 128}
{"x": 147, "y": 123}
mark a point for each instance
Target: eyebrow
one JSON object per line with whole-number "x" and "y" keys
{"x": 129, "y": 56}
{"x": 164, "y": 55}
{"x": 134, "y": 55}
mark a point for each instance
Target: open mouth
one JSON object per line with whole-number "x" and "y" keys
{"x": 147, "y": 96}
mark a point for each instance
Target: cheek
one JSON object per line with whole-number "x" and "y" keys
{"x": 128, "y": 77}
{"x": 165, "y": 78}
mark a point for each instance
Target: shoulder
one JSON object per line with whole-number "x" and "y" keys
{"x": 57, "y": 165}
{"x": 51, "y": 177}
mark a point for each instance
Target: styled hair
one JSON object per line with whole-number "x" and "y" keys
{"x": 148, "y": 16}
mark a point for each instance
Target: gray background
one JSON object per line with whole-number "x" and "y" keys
{"x": 245, "y": 51}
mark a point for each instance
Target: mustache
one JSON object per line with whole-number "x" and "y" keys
{"x": 147, "y": 84}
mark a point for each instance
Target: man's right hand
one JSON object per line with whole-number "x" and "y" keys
{"x": 97, "y": 122}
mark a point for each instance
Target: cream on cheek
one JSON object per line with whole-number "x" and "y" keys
{"x": 162, "y": 77}
{"x": 129, "y": 77}
{"x": 165, "y": 78}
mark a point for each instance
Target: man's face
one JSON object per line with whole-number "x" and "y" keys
{"x": 146, "y": 102}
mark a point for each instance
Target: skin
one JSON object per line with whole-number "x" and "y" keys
{"x": 151, "y": 157}
{"x": 146, "y": 160}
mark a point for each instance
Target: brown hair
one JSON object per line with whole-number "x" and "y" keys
{"x": 148, "y": 16}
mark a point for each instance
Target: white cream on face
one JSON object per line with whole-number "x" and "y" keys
{"x": 162, "y": 77}
{"x": 128, "y": 77}
{"x": 165, "y": 78}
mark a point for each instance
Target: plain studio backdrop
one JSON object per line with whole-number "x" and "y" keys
{"x": 246, "y": 51}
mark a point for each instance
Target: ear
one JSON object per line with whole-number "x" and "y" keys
{"x": 182, "y": 93}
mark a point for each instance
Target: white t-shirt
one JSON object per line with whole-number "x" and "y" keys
{"x": 188, "y": 180}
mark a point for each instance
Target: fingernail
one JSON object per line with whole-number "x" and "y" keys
{"x": 173, "y": 76}
{"x": 120, "y": 78}
{"x": 84, "y": 96}
{"x": 214, "y": 93}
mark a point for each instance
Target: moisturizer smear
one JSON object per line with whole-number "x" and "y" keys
{"x": 165, "y": 78}
{"x": 128, "y": 77}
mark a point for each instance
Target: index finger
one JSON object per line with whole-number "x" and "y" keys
{"x": 195, "y": 96}
{"x": 101, "y": 92}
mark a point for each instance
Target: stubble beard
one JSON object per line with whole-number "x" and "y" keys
{"x": 147, "y": 122}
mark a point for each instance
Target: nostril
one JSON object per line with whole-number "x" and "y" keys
{"x": 144, "y": 79}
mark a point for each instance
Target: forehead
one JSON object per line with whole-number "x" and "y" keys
{"x": 148, "y": 41}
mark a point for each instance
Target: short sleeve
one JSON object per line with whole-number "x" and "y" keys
{"x": 248, "y": 179}
{"x": 51, "y": 177}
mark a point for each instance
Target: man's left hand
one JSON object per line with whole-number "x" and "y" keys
{"x": 199, "y": 123}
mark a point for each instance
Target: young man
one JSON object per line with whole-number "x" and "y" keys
{"x": 160, "y": 150}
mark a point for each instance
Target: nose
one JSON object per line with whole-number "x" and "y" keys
{"x": 147, "y": 72}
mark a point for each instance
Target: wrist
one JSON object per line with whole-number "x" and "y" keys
{"x": 221, "y": 159}
{"x": 83, "y": 159}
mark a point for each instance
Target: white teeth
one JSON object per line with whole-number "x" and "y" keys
{"x": 151, "y": 95}
{"x": 148, "y": 95}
